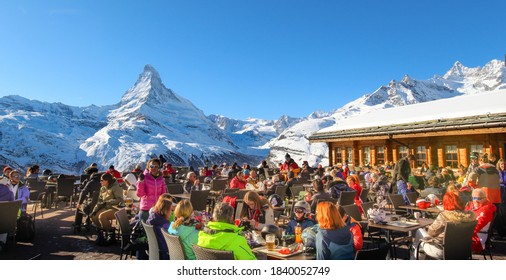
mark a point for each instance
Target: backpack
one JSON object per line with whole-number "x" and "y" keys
{"x": 138, "y": 235}
{"x": 25, "y": 229}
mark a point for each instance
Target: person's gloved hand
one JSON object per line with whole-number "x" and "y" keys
{"x": 141, "y": 177}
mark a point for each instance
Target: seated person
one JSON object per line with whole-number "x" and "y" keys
{"x": 434, "y": 235}
{"x": 222, "y": 234}
{"x": 301, "y": 211}
{"x": 484, "y": 211}
{"x": 257, "y": 211}
{"x": 110, "y": 195}
{"x": 159, "y": 219}
{"x": 434, "y": 187}
{"x": 18, "y": 189}
{"x": 238, "y": 182}
{"x": 192, "y": 183}
{"x": 184, "y": 227}
{"x": 334, "y": 240}
{"x": 319, "y": 194}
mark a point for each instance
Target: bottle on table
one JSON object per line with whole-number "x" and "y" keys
{"x": 298, "y": 233}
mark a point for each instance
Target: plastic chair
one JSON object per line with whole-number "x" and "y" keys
{"x": 412, "y": 197}
{"x": 176, "y": 251}
{"x": 353, "y": 211}
{"x": 218, "y": 185}
{"x": 64, "y": 189}
{"x": 379, "y": 253}
{"x": 174, "y": 188}
{"x": 198, "y": 199}
{"x": 397, "y": 200}
{"x": 457, "y": 241}
{"x": 202, "y": 253}
{"x": 8, "y": 222}
{"x": 153, "y": 248}
{"x": 347, "y": 198}
{"x": 363, "y": 195}
{"x": 126, "y": 245}
{"x": 37, "y": 191}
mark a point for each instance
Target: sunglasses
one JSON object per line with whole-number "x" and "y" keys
{"x": 299, "y": 211}
{"x": 154, "y": 166}
{"x": 477, "y": 198}
{"x": 15, "y": 176}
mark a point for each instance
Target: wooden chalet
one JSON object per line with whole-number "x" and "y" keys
{"x": 441, "y": 133}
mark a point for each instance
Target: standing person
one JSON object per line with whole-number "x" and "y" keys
{"x": 159, "y": 219}
{"x": 472, "y": 166}
{"x": 222, "y": 234}
{"x": 192, "y": 183}
{"x": 18, "y": 189}
{"x": 380, "y": 187}
{"x": 258, "y": 212}
{"x": 184, "y": 227}
{"x": 91, "y": 169}
{"x": 150, "y": 186}
{"x": 87, "y": 200}
{"x": 115, "y": 173}
{"x": 500, "y": 222}
{"x": 110, "y": 195}
{"x": 402, "y": 171}
{"x": 334, "y": 240}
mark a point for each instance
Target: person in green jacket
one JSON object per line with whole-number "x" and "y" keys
{"x": 184, "y": 227}
{"x": 222, "y": 234}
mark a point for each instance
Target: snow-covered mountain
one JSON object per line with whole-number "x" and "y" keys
{"x": 459, "y": 80}
{"x": 151, "y": 120}
{"x": 46, "y": 133}
{"x": 252, "y": 134}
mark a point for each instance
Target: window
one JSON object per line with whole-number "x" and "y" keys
{"x": 367, "y": 155}
{"x": 451, "y": 156}
{"x": 476, "y": 148}
{"x": 403, "y": 151}
{"x": 421, "y": 155}
{"x": 339, "y": 155}
{"x": 349, "y": 154}
{"x": 380, "y": 155}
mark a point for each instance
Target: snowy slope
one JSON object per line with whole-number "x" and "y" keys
{"x": 459, "y": 80}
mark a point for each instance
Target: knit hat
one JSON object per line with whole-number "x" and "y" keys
{"x": 111, "y": 167}
{"x": 474, "y": 155}
{"x": 7, "y": 168}
{"x": 287, "y": 156}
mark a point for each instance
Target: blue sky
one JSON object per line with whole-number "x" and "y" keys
{"x": 240, "y": 59}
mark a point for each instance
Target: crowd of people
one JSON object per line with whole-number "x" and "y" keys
{"x": 473, "y": 193}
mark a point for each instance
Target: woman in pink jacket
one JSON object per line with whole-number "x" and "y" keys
{"x": 150, "y": 186}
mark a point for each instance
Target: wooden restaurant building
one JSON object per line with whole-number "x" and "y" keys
{"x": 441, "y": 133}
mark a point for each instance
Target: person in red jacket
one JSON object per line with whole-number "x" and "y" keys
{"x": 167, "y": 170}
{"x": 484, "y": 211}
{"x": 289, "y": 165}
{"x": 238, "y": 182}
{"x": 115, "y": 173}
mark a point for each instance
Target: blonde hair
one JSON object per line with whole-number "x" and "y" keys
{"x": 183, "y": 210}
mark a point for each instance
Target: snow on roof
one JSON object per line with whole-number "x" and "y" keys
{"x": 461, "y": 106}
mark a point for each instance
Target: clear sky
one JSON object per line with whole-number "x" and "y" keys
{"x": 261, "y": 58}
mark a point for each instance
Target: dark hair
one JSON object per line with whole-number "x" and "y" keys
{"x": 318, "y": 186}
{"x": 108, "y": 177}
{"x": 223, "y": 212}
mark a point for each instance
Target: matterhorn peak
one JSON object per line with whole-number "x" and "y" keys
{"x": 150, "y": 71}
